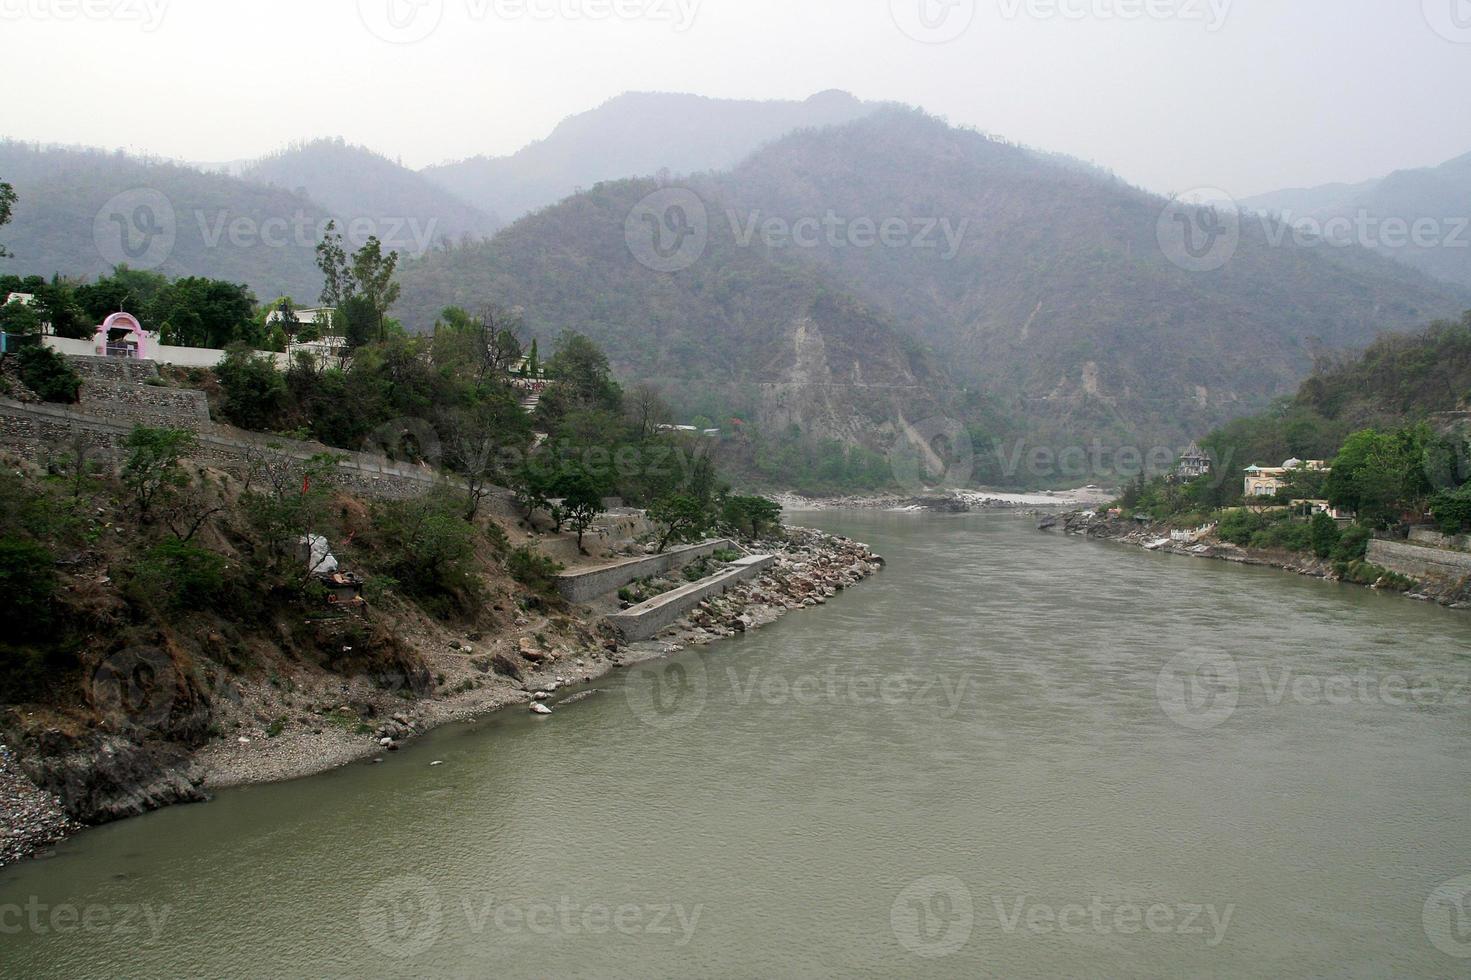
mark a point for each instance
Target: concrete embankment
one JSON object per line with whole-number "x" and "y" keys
{"x": 1420, "y": 562}
{"x": 1440, "y": 575}
{"x": 647, "y": 618}
{"x": 584, "y": 586}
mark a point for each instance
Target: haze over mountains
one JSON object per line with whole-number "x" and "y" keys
{"x": 636, "y": 134}
{"x": 1034, "y": 292}
{"x": 1421, "y": 217}
{"x": 860, "y": 266}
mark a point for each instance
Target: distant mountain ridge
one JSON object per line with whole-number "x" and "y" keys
{"x": 81, "y": 212}
{"x": 637, "y": 134}
{"x": 1059, "y": 315}
{"x": 1440, "y": 195}
{"x": 356, "y": 183}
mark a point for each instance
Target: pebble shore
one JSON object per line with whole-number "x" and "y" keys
{"x": 34, "y": 819}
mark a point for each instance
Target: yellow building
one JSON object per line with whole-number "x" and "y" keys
{"x": 1264, "y": 481}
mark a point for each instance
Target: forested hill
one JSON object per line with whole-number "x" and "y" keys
{"x": 1384, "y": 213}
{"x": 355, "y": 183}
{"x": 81, "y": 212}
{"x": 1399, "y": 380}
{"x": 735, "y": 334}
{"x": 1039, "y": 284}
{"x": 637, "y": 134}
{"x": 1061, "y": 297}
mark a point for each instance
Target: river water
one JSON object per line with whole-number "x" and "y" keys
{"x": 1009, "y": 754}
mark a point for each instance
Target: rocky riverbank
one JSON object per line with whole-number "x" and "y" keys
{"x": 291, "y": 724}
{"x": 33, "y": 819}
{"x": 952, "y": 501}
{"x": 1203, "y": 543}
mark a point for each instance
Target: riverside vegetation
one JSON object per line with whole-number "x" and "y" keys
{"x": 162, "y": 605}
{"x": 1393, "y": 424}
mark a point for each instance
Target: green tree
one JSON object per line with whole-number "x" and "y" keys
{"x": 199, "y": 312}
{"x": 125, "y": 290}
{"x": 18, "y": 318}
{"x": 532, "y": 486}
{"x": 581, "y": 493}
{"x": 1324, "y": 534}
{"x": 151, "y": 470}
{"x": 48, "y": 374}
{"x": 28, "y": 582}
{"x": 372, "y": 273}
{"x": 337, "y": 282}
{"x": 678, "y": 518}
{"x": 7, "y": 203}
{"x": 582, "y": 379}
{"x": 256, "y": 395}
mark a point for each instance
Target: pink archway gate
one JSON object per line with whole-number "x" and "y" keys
{"x": 133, "y": 343}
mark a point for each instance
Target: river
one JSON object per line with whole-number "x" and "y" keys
{"x": 1009, "y": 754}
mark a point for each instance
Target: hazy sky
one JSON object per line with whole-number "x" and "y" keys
{"x": 1246, "y": 95}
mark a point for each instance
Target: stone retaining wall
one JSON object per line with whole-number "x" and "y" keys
{"x": 141, "y": 404}
{"x": 1419, "y": 562}
{"x": 648, "y": 618}
{"x": 588, "y": 585}
{"x": 121, "y": 369}
{"x": 1434, "y": 539}
{"x": 47, "y": 433}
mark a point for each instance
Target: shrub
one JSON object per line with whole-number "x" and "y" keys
{"x": 1452, "y": 510}
{"x": 1367, "y": 573}
{"x": 750, "y": 517}
{"x": 255, "y": 392}
{"x": 175, "y": 574}
{"x": 1353, "y": 544}
{"x": 27, "y": 581}
{"x": 429, "y": 548}
{"x": 1324, "y": 534}
{"x": 534, "y": 570}
{"x": 1286, "y": 535}
{"x": 47, "y": 374}
{"x": 1237, "y": 526}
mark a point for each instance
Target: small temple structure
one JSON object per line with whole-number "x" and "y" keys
{"x": 121, "y": 335}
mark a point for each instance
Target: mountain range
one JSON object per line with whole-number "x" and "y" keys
{"x": 637, "y": 134}
{"x": 1421, "y": 217}
{"x": 852, "y": 267}
{"x": 1038, "y": 297}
